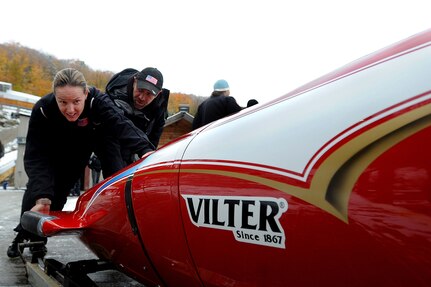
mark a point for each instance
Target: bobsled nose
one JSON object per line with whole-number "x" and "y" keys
{"x": 33, "y": 222}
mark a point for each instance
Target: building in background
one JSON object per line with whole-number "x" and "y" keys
{"x": 177, "y": 125}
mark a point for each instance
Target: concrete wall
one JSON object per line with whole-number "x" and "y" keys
{"x": 21, "y": 177}
{"x": 8, "y": 134}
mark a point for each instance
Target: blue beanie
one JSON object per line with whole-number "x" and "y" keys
{"x": 221, "y": 85}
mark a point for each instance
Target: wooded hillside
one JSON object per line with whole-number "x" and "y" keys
{"x": 31, "y": 71}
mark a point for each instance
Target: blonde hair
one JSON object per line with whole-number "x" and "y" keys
{"x": 69, "y": 77}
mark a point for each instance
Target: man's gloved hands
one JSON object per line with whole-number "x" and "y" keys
{"x": 42, "y": 205}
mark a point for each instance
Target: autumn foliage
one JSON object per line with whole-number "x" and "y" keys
{"x": 31, "y": 71}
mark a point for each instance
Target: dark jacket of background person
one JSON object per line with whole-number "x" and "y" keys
{"x": 151, "y": 119}
{"x": 215, "y": 107}
{"x": 57, "y": 150}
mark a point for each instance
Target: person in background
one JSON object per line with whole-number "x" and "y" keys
{"x": 5, "y": 183}
{"x": 96, "y": 167}
{"x": 65, "y": 127}
{"x": 2, "y": 151}
{"x": 142, "y": 98}
{"x": 219, "y": 105}
{"x": 252, "y": 102}
{"x": 76, "y": 189}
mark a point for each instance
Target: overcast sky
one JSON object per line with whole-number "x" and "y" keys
{"x": 264, "y": 49}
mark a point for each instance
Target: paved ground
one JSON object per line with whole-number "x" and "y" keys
{"x": 64, "y": 248}
{"x": 12, "y": 271}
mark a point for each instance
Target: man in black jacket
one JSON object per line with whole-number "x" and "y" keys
{"x": 141, "y": 97}
{"x": 218, "y": 106}
{"x": 64, "y": 128}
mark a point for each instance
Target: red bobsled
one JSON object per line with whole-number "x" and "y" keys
{"x": 329, "y": 185}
